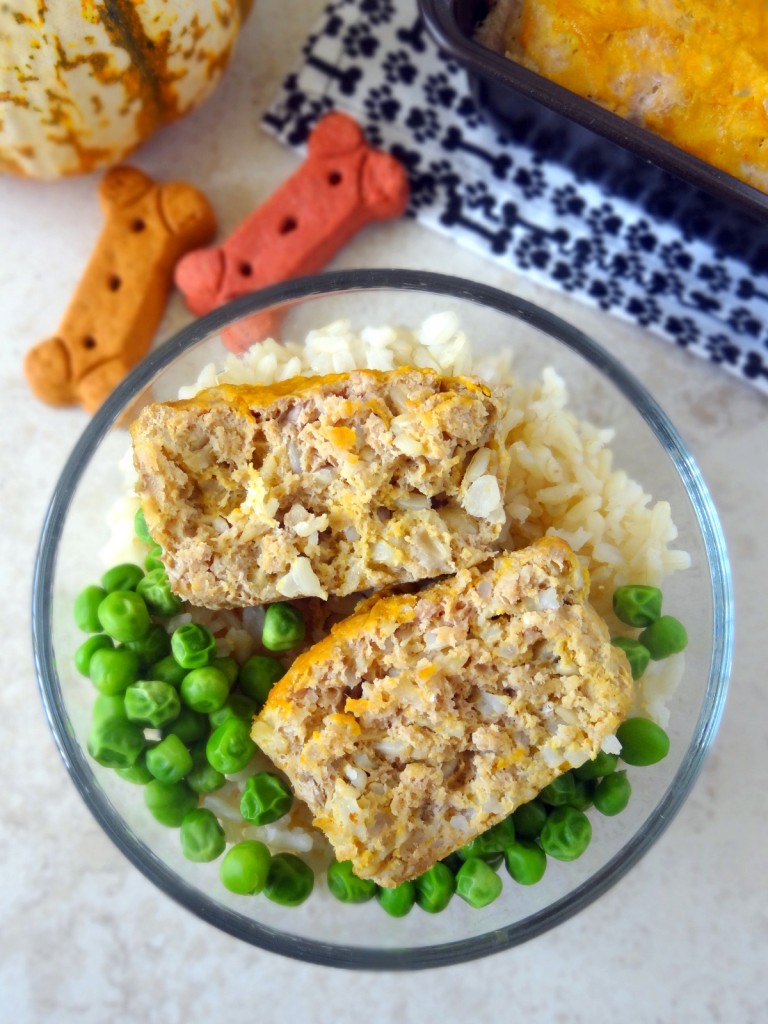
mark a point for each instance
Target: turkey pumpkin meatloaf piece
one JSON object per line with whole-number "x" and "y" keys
{"x": 321, "y": 486}
{"x": 424, "y": 719}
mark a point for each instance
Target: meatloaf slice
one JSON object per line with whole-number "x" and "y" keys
{"x": 423, "y": 719}
{"x": 321, "y": 486}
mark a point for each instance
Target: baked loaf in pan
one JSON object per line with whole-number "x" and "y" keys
{"x": 424, "y": 719}
{"x": 321, "y": 486}
{"x": 692, "y": 71}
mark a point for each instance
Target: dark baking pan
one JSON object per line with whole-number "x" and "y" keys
{"x": 625, "y": 159}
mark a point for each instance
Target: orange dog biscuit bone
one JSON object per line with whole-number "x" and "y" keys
{"x": 342, "y": 185}
{"x": 111, "y": 320}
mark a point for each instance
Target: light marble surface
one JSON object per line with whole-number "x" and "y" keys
{"x": 85, "y": 937}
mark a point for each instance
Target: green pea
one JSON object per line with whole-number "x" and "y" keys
{"x": 477, "y": 883}
{"x": 140, "y": 527}
{"x": 113, "y": 669}
{"x": 138, "y": 773}
{"x": 154, "y": 560}
{"x": 435, "y": 888}
{"x": 600, "y": 765}
{"x": 667, "y": 636}
{"x": 237, "y": 705}
{"x": 122, "y": 577}
{"x": 637, "y": 654}
{"x": 643, "y": 742}
{"x": 86, "y": 650}
{"x": 228, "y": 666}
{"x": 265, "y": 798}
{"x": 258, "y": 675}
{"x": 155, "y": 588}
{"x": 192, "y": 645}
{"x": 612, "y": 794}
{"x": 491, "y": 843}
{"x": 124, "y": 616}
{"x": 567, "y": 790}
{"x": 344, "y": 884}
{"x": 152, "y": 647}
{"x": 582, "y": 794}
{"x": 566, "y": 833}
{"x": 203, "y": 777}
{"x": 205, "y": 689}
{"x": 115, "y": 742}
{"x": 169, "y": 802}
{"x": 169, "y": 760}
{"x": 245, "y": 867}
{"x": 167, "y": 670}
{"x": 636, "y": 604}
{"x": 108, "y": 706}
{"x": 230, "y": 747}
{"x": 152, "y": 703}
{"x": 86, "y": 609}
{"x": 529, "y": 819}
{"x": 453, "y": 861}
{"x": 399, "y": 901}
{"x": 289, "y": 880}
{"x": 559, "y": 791}
{"x": 526, "y": 861}
{"x": 202, "y": 837}
{"x": 283, "y": 627}
{"x": 189, "y": 725}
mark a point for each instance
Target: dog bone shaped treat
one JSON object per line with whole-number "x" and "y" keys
{"x": 120, "y": 299}
{"x": 342, "y": 185}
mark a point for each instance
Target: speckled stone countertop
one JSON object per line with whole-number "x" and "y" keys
{"x": 85, "y": 937}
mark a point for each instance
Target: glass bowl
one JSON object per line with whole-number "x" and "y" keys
{"x": 323, "y": 930}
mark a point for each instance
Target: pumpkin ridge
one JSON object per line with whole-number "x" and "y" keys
{"x": 149, "y": 62}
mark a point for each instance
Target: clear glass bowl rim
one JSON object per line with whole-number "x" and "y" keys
{"x": 298, "y": 947}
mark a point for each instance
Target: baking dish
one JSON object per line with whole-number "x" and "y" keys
{"x": 625, "y": 159}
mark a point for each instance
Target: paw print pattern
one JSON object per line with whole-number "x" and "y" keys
{"x": 606, "y": 292}
{"x": 644, "y": 309}
{"x": 604, "y": 220}
{"x": 398, "y": 68}
{"x": 530, "y": 181}
{"x": 533, "y": 253}
{"x": 568, "y": 202}
{"x": 676, "y": 257}
{"x": 743, "y": 321}
{"x": 438, "y": 91}
{"x": 359, "y": 41}
{"x": 641, "y": 237}
{"x": 423, "y": 122}
{"x": 433, "y": 183}
{"x": 377, "y": 12}
{"x": 722, "y": 349}
{"x": 381, "y": 105}
{"x": 683, "y": 330}
{"x": 469, "y": 113}
{"x": 714, "y": 276}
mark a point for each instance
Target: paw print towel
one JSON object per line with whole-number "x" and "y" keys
{"x": 503, "y": 197}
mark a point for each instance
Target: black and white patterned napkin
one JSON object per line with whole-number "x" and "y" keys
{"x": 375, "y": 60}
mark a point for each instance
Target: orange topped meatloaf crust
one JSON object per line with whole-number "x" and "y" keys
{"x": 424, "y": 719}
{"x": 321, "y": 486}
{"x": 692, "y": 71}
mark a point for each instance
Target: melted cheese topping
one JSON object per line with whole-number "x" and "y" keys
{"x": 693, "y": 71}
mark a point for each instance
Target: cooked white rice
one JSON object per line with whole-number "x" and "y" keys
{"x": 562, "y": 481}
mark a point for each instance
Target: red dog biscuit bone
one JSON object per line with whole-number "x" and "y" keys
{"x": 111, "y": 320}
{"x": 342, "y": 185}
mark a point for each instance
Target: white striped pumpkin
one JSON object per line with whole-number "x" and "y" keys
{"x": 83, "y": 82}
